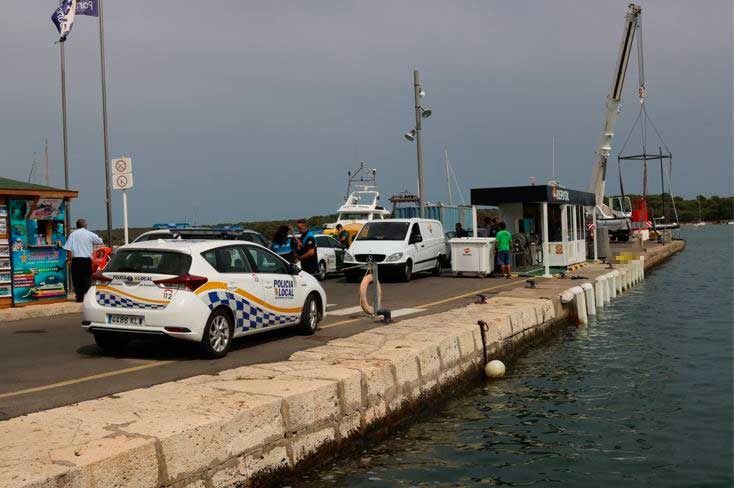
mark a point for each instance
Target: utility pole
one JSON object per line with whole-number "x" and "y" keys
{"x": 108, "y": 202}
{"x": 67, "y": 210}
{"x": 419, "y": 148}
{"x": 449, "y": 181}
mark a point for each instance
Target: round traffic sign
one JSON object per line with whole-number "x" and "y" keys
{"x": 122, "y": 181}
{"x": 121, "y": 166}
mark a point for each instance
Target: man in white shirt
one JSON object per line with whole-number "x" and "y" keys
{"x": 80, "y": 245}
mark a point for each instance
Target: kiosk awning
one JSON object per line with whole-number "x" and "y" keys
{"x": 530, "y": 194}
{"x": 15, "y": 188}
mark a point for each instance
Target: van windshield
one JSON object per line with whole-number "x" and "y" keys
{"x": 149, "y": 261}
{"x": 383, "y": 231}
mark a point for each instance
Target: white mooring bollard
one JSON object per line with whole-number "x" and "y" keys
{"x": 614, "y": 284}
{"x": 608, "y": 289}
{"x": 643, "y": 267}
{"x": 589, "y": 298}
{"x": 576, "y": 295}
{"x": 600, "y": 291}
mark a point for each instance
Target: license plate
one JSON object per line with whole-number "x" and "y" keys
{"x": 115, "y": 319}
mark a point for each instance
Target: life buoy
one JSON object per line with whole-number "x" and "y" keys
{"x": 100, "y": 258}
{"x": 364, "y": 304}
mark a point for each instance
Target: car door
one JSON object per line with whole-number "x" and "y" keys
{"x": 241, "y": 286}
{"x": 417, "y": 247}
{"x": 339, "y": 253}
{"x": 326, "y": 252}
{"x": 283, "y": 293}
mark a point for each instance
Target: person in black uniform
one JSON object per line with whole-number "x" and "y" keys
{"x": 307, "y": 248}
{"x": 343, "y": 236}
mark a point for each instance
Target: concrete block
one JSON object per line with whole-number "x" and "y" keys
{"x": 349, "y": 383}
{"x": 307, "y": 443}
{"x": 264, "y": 460}
{"x": 377, "y": 377}
{"x": 306, "y": 401}
{"x": 118, "y": 461}
{"x": 349, "y": 425}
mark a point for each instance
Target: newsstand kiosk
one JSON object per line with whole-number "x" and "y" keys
{"x": 33, "y": 264}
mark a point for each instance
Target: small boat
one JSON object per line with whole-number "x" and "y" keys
{"x": 701, "y": 222}
{"x": 361, "y": 203}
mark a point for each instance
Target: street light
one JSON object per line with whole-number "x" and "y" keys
{"x": 415, "y": 134}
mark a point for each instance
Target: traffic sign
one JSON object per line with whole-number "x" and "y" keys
{"x": 122, "y": 181}
{"x": 122, "y": 166}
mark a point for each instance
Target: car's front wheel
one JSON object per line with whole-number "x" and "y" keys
{"x": 310, "y": 315}
{"x": 218, "y": 333}
{"x": 407, "y": 271}
{"x": 110, "y": 342}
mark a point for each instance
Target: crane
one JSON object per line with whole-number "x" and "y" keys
{"x": 615, "y": 220}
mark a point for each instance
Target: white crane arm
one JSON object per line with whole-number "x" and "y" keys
{"x": 612, "y": 106}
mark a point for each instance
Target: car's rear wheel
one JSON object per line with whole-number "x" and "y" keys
{"x": 322, "y": 271}
{"x": 218, "y": 333}
{"x": 111, "y": 342}
{"x": 310, "y": 315}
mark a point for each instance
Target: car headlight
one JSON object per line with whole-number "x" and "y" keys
{"x": 348, "y": 257}
{"x": 395, "y": 256}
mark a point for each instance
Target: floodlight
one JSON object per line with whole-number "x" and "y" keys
{"x": 425, "y": 112}
{"x": 410, "y": 135}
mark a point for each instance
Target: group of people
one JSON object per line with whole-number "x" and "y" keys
{"x": 301, "y": 248}
{"x": 502, "y": 237}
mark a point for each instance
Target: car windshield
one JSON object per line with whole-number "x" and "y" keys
{"x": 383, "y": 231}
{"x": 149, "y": 261}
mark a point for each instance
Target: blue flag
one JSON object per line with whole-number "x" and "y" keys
{"x": 87, "y": 7}
{"x": 63, "y": 18}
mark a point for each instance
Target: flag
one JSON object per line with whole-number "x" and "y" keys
{"x": 63, "y": 18}
{"x": 87, "y": 7}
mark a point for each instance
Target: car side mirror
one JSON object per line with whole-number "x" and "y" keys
{"x": 294, "y": 269}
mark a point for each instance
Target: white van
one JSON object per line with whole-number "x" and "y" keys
{"x": 404, "y": 246}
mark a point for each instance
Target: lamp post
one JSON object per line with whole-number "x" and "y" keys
{"x": 415, "y": 134}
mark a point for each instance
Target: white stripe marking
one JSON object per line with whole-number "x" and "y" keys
{"x": 406, "y": 311}
{"x": 346, "y": 311}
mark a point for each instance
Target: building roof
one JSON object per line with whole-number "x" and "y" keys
{"x": 10, "y": 187}
{"x": 531, "y": 194}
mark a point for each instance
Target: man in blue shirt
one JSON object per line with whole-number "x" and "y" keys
{"x": 307, "y": 248}
{"x": 80, "y": 245}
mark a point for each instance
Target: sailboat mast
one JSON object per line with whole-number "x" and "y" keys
{"x": 446, "y": 167}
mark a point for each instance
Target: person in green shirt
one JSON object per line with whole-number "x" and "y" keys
{"x": 502, "y": 245}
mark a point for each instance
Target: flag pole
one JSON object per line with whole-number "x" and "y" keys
{"x": 67, "y": 219}
{"x": 104, "y": 126}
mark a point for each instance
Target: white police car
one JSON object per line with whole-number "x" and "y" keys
{"x": 199, "y": 290}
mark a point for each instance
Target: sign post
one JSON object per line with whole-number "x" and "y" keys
{"x": 122, "y": 179}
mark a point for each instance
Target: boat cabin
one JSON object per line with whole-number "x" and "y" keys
{"x": 554, "y": 215}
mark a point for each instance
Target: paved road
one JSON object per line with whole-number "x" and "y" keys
{"x": 51, "y": 361}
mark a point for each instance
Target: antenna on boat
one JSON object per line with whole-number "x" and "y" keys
{"x": 553, "y": 158}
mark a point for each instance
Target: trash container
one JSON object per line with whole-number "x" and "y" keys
{"x": 472, "y": 255}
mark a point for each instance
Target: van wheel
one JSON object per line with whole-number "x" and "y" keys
{"x": 407, "y": 271}
{"x": 322, "y": 271}
{"x": 218, "y": 333}
{"x": 310, "y": 316}
{"x": 438, "y": 266}
{"x": 110, "y": 342}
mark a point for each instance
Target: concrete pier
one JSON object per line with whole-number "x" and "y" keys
{"x": 249, "y": 424}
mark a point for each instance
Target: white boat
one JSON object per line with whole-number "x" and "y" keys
{"x": 361, "y": 204}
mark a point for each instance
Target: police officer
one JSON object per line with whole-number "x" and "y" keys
{"x": 283, "y": 243}
{"x": 343, "y": 236}
{"x": 307, "y": 248}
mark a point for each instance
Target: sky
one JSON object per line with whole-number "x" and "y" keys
{"x": 241, "y": 110}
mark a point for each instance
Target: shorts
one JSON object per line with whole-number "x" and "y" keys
{"x": 504, "y": 258}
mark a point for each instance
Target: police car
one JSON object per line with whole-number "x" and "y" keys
{"x": 330, "y": 255}
{"x": 204, "y": 291}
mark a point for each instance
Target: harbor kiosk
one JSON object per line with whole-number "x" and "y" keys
{"x": 33, "y": 264}
{"x": 554, "y": 214}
